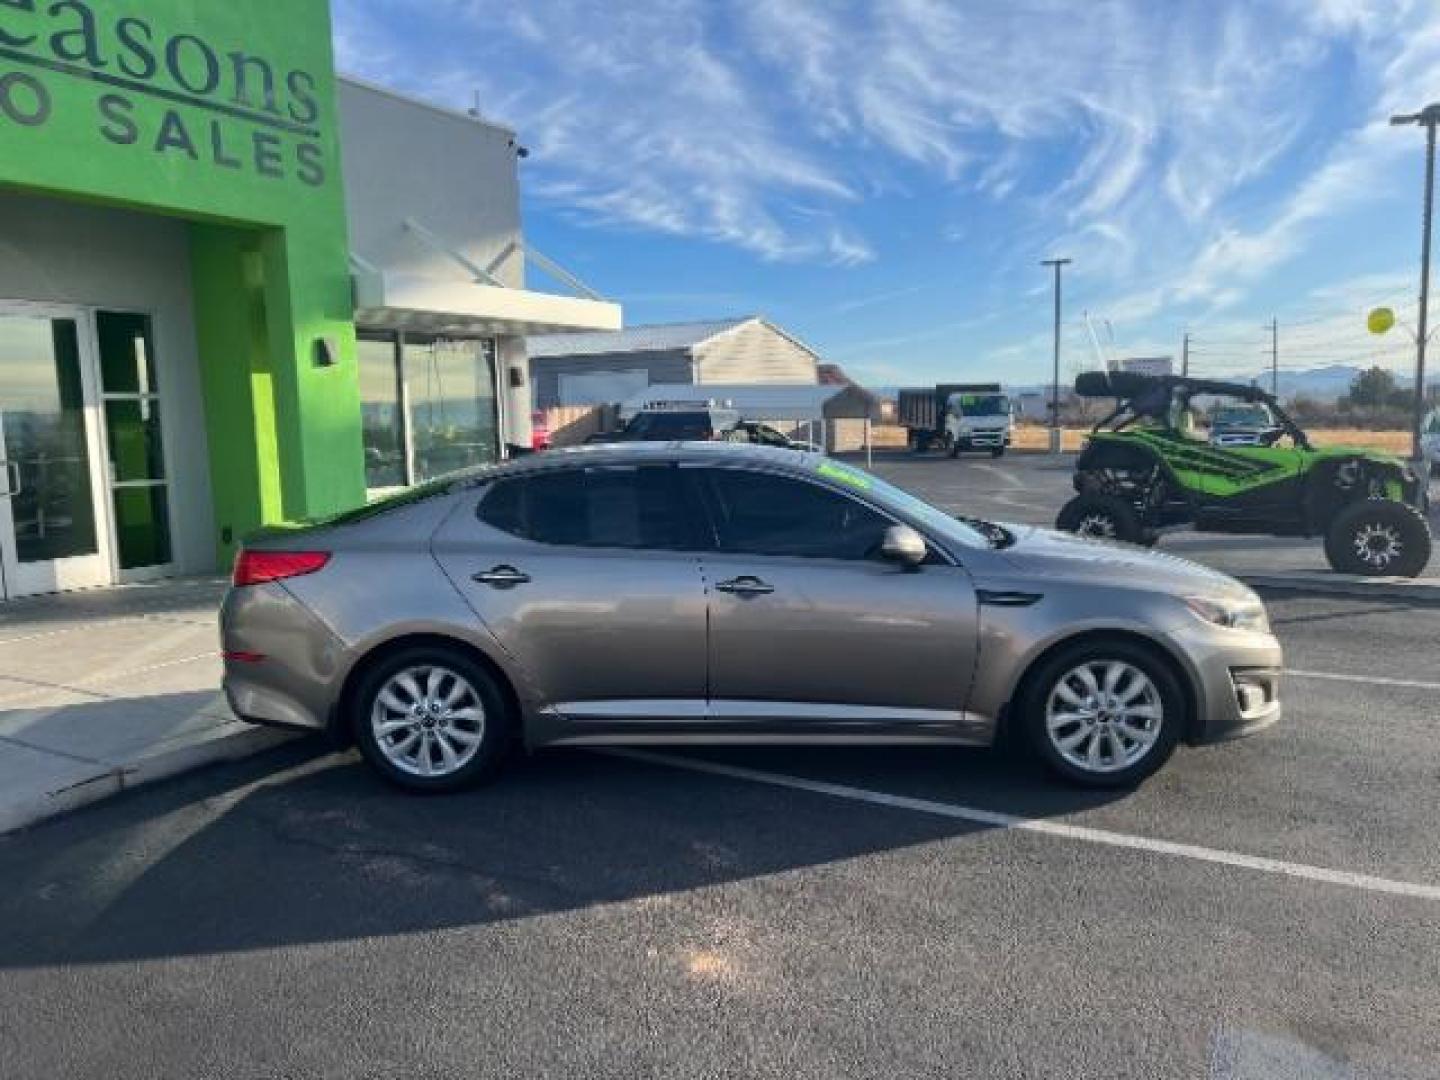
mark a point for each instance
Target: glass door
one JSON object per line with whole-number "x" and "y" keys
{"x": 134, "y": 447}
{"x": 53, "y": 533}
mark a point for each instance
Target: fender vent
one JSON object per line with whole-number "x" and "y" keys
{"x": 992, "y": 598}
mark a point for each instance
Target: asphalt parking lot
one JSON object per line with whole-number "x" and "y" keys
{"x": 1265, "y": 908}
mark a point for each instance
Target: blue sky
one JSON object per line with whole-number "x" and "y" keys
{"x": 882, "y": 178}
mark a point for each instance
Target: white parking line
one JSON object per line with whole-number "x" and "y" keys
{"x": 993, "y": 819}
{"x": 1008, "y": 477}
{"x": 1364, "y": 680}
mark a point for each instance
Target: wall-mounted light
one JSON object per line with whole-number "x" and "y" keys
{"x": 327, "y": 352}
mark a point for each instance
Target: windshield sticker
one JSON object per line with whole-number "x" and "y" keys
{"x": 831, "y": 471}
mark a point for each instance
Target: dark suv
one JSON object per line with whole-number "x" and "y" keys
{"x": 674, "y": 425}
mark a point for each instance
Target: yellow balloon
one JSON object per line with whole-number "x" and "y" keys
{"x": 1380, "y": 320}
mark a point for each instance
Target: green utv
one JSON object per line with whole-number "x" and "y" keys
{"x": 1149, "y": 465}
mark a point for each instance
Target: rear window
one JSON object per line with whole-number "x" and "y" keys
{"x": 619, "y": 508}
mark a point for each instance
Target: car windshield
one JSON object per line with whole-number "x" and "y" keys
{"x": 983, "y": 404}
{"x": 1242, "y": 415}
{"x": 966, "y": 531}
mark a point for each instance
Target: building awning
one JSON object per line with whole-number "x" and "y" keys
{"x": 392, "y": 301}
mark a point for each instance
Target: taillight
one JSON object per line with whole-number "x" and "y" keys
{"x": 256, "y": 567}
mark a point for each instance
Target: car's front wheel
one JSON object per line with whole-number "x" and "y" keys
{"x": 431, "y": 719}
{"x": 1104, "y": 713}
{"x": 1378, "y": 537}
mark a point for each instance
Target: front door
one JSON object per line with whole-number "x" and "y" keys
{"x": 812, "y": 634}
{"x": 53, "y": 531}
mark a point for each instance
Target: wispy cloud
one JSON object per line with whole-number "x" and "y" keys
{"x": 1186, "y": 153}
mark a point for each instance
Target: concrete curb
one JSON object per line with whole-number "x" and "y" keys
{"x": 1422, "y": 590}
{"x": 229, "y": 743}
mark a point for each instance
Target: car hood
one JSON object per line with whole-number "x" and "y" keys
{"x": 1046, "y": 553}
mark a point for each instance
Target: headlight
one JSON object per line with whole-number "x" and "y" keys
{"x": 1247, "y": 614}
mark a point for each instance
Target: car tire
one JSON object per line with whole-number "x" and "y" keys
{"x": 998, "y": 452}
{"x": 1113, "y": 743}
{"x": 1378, "y": 537}
{"x": 460, "y": 722}
{"x": 1101, "y": 517}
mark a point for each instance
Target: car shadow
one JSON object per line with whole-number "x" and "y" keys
{"x": 303, "y": 845}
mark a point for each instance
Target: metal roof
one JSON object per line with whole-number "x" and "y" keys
{"x": 764, "y": 401}
{"x": 663, "y": 337}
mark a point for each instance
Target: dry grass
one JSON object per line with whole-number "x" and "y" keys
{"x": 1389, "y": 442}
{"x": 1035, "y": 437}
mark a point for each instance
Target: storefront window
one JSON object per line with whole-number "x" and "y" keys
{"x": 454, "y": 421}
{"x": 381, "y": 416}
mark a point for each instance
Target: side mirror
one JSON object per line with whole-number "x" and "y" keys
{"x": 903, "y": 545}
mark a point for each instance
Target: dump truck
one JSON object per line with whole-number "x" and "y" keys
{"x": 956, "y": 417}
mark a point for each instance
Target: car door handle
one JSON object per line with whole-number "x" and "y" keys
{"x": 501, "y": 577}
{"x": 745, "y": 586}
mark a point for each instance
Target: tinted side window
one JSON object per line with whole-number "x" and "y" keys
{"x": 625, "y": 508}
{"x": 764, "y": 514}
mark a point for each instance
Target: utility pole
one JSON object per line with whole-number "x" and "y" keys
{"x": 1185, "y": 356}
{"x": 1055, "y": 380}
{"x": 1429, "y": 119}
{"x": 1274, "y": 357}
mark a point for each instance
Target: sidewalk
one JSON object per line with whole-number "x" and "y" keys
{"x": 107, "y": 689}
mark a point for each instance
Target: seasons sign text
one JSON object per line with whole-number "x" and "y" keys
{"x": 228, "y": 108}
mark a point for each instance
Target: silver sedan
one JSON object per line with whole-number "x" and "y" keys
{"x": 715, "y": 593}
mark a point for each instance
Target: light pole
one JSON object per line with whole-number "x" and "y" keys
{"x": 1055, "y": 379}
{"x": 1429, "y": 119}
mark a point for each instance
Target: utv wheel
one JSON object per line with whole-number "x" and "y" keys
{"x": 431, "y": 719}
{"x": 1103, "y": 713}
{"x": 1378, "y": 537}
{"x": 1101, "y": 517}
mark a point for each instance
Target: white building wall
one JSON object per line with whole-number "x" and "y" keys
{"x": 754, "y": 352}
{"x": 454, "y": 174}
{"x": 91, "y": 256}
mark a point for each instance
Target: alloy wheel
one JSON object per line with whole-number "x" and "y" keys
{"x": 1097, "y": 527}
{"x": 428, "y": 721}
{"x": 1104, "y": 716}
{"x": 1377, "y": 545}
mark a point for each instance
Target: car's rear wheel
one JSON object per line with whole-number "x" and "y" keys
{"x": 1102, "y": 517}
{"x": 1378, "y": 537}
{"x": 1103, "y": 713}
{"x": 431, "y": 719}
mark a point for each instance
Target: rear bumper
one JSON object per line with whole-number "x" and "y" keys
{"x": 282, "y": 664}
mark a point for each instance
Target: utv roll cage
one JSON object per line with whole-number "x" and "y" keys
{"x": 1148, "y": 397}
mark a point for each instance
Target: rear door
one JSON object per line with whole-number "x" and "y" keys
{"x": 811, "y": 632}
{"x": 591, "y": 580}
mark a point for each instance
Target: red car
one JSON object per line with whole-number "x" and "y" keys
{"x": 539, "y": 431}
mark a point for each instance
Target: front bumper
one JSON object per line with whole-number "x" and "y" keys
{"x": 985, "y": 439}
{"x": 1238, "y": 690}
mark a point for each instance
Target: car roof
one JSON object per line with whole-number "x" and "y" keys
{"x": 641, "y": 453}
